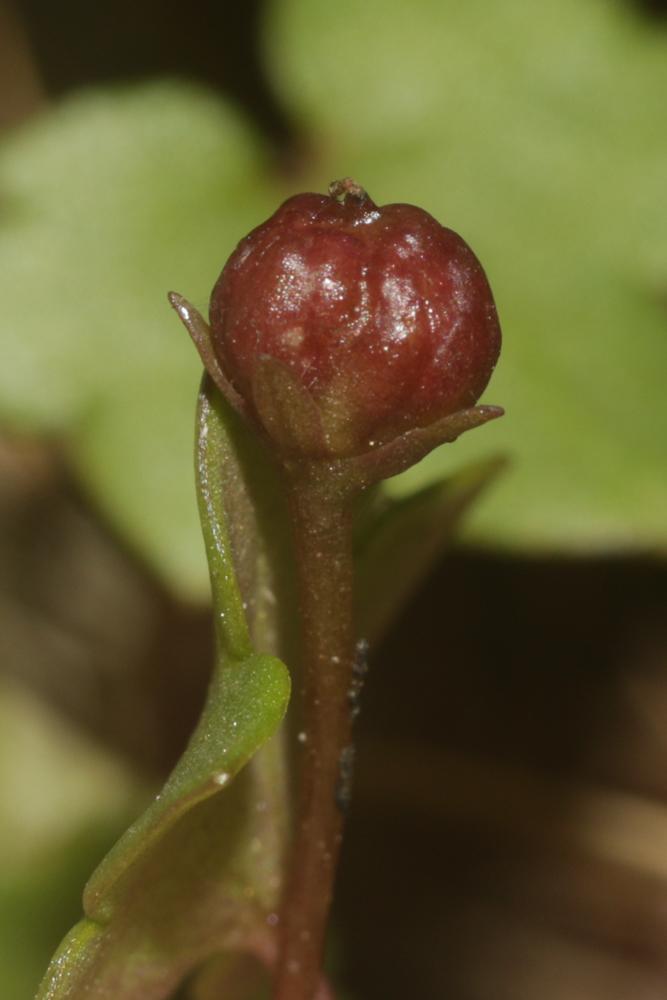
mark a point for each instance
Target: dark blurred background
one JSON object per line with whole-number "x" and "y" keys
{"x": 508, "y": 838}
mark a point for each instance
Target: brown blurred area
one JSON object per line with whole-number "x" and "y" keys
{"x": 508, "y": 838}
{"x": 63, "y": 46}
{"x": 524, "y": 772}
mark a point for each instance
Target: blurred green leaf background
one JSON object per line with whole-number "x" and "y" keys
{"x": 537, "y": 131}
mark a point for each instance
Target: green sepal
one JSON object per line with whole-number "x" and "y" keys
{"x": 402, "y": 539}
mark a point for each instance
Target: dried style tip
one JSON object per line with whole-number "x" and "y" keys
{"x": 341, "y": 190}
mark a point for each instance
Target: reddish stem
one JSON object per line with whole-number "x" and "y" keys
{"x": 322, "y": 528}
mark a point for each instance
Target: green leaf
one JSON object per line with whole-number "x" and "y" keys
{"x": 40, "y": 898}
{"x": 199, "y": 869}
{"x": 512, "y": 124}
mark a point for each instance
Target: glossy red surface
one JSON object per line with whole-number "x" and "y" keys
{"x": 384, "y": 315}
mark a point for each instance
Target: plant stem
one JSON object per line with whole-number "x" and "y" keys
{"x": 322, "y": 530}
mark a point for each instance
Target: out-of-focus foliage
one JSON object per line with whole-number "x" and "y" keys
{"x": 108, "y": 203}
{"x": 63, "y": 802}
{"x": 536, "y": 132}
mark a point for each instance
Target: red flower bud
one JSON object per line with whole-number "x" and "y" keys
{"x": 383, "y": 316}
